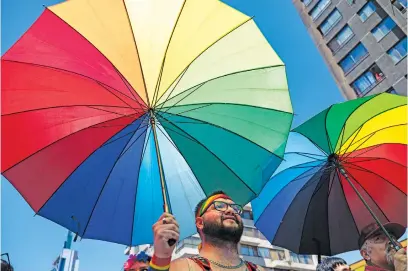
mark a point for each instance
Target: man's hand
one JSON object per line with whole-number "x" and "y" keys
{"x": 400, "y": 260}
{"x": 164, "y": 229}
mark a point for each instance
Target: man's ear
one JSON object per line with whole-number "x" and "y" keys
{"x": 199, "y": 223}
{"x": 364, "y": 254}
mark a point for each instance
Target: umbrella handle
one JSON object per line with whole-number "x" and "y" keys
{"x": 393, "y": 242}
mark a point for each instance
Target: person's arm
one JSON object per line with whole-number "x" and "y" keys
{"x": 164, "y": 229}
{"x": 177, "y": 265}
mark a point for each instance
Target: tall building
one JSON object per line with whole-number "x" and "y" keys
{"x": 253, "y": 247}
{"x": 68, "y": 259}
{"x": 364, "y": 43}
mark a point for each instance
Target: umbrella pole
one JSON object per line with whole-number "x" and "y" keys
{"x": 166, "y": 207}
{"x": 395, "y": 244}
{"x": 159, "y": 162}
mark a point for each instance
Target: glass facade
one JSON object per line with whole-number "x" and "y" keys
{"x": 368, "y": 80}
{"x": 341, "y": 38}
{"x": 352, "y": 58}
{"x": 306, "y": 2}
{"x": 366, "y": 11}
{"x": 399, "y": 51}
{"x": 319, "y": 8}
{"x": 330, "y": 22}
{"x": 383, "y": 28}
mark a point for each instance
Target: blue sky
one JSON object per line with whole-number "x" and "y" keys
{"x": 34, "y": 242}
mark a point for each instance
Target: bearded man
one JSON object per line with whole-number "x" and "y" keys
{"x": 219, "y": 224}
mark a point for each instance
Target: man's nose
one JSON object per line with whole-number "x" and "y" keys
{"x": 230, "y": 210}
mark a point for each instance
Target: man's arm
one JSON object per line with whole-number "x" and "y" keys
{"x": 176, "y": 265}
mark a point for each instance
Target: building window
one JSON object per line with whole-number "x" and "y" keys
{"x": 278, "y": 254}
{"x": 341, "y": 39}
{"x": 399, "y": 51}
{"x": 249, "y": 250}
{"x": 367, "y": 11}
{"x": 328, "y": 24}
{"x": 247, "y": 215}
{"x": 401, "y": 5}
{"x": 383, "y": 28}
{"x": 264, "y": 252}
{"x": 319, "y": 8}
{"x": 353, "y": 58}
{"x": 306, "y": 2}
{"x": 368, "y": 80}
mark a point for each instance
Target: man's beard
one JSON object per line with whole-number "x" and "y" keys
{"x": 219, "y": 232}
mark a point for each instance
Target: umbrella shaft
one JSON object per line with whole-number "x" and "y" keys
{"x": 159, "y": 162}
{"x": 344, "y": 173}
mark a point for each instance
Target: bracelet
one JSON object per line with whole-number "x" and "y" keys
{"x": 160, "y": 263}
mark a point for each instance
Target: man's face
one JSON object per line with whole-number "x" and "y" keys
{"x": 139, "y": 266}
{"x": 342, "y": 267}
{"x": 379, "y": 250}
{"x": 224, "y": 225}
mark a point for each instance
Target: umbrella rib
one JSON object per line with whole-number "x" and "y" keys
{"x": 355, "y": 136}
{"x": 350, "y": 157}
{"x": 66, "y": 106}
{"x": 308, "y": 155}
{"x": 311, "y": 141}
{"x": 167, "y": 137}
{"x": 207, "y": 81}
{"x": 141, "y": 105}
{"x": 140, "y": 164}
{"x": 263, "y": 211}
{"x": 137, "y": 52}
{"x": 113, "y": 112}
{"x": 165, "y": 55}
{"x": 84, "y": 76}
{"x": 103, "y": 187}
{"x": 367, "y": 137}
{"x": 325, "y": 130}
{"x": 73, "y": 170}
{"x": 229, "y": 131}
{"x": 212, "y": 124}
{"x": 76, "y": 31}
{"x": 92, "y": 126}
{"x": 171, "y": 92}
{"x": 375, "y": 158}
{"x": 199, "y": 183}
{"x": 345, "y": 199}
{"x": 209, "y": 151}
{"x": 220, "y": 38}
{"x": 374, "y": 202}
{"x": 360, "y": 168}
{"x": 389, "y": 109}
{"x": 343, "y": 128}
{"x": 317, "y": 188}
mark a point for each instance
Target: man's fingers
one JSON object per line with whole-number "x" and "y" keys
{"x": 171, "y": 227}
{"x": 169, "y": 234}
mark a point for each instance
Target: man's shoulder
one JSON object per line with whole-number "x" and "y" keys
{"x": 184, "y": 264}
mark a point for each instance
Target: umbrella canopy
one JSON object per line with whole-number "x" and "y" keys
{"x": 112, "y": 109}
{"x": 309, "y": 206}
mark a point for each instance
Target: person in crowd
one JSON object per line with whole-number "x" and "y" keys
{"x": 219, "y": 224}
{"x": 139, "y": 262}
{"x": 333, "y": 264}
{"x": 378, "y": 251}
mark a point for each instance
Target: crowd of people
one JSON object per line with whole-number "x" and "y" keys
{"x": 220, "y": 226}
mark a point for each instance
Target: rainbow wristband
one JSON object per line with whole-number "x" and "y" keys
{"x": 160, "y": 263}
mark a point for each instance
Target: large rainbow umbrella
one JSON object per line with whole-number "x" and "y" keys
{"x": 344, "y": 169}
{"x": 113, "y": 109}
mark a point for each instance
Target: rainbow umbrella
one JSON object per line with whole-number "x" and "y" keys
{"x": 113, "y": 109}
{"x": 344, "y": 169}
